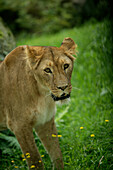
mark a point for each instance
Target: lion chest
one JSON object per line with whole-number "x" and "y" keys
{"x": 44, "y": 111}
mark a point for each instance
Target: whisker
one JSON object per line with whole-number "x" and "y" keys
{"x": 76, "y": 88}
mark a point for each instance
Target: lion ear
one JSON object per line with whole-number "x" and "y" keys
{"x": 33, "y": 56}
{"x": 69, "y": 46}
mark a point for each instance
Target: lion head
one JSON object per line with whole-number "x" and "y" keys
{"x": 52, "y": 67}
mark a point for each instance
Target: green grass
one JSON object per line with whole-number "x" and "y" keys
{"x": 91, "y": 102}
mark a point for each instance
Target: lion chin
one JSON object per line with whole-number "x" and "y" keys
{"x": 63, "y": 99}
{"x": 61, "y": 102}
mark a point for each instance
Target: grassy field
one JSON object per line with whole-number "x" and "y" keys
{"x": 86, "y": 122}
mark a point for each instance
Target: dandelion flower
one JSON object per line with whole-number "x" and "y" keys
{"x": 106, "y": 120}
{"x": 12, "y": 161}
{"x": 92, "y": 135}
{"x": 28, "y": 156}
{"x": 39, "y": 161}
{"x": 32, "y": 166}
{"x": 22, "y": 155}
{"x": 24, "y": 159}
{"x": 81, "y": 127}
{"x": 42, "y": 156}
{"x": 16, "y": 166}
{"x": 27, "y": 153}
{"x": 53, "y": 135}
{"x": 59, "y": 136}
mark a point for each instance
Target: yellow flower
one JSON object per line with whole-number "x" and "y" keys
{"x": 28, "y": 156}
{"x": 39, "y": 161}
{"x": 92, "y": 135}
{"x": 42, "y": 156}
{"x": 106, "y": 120}
{"x": 32, "y": 166}
{"x": 24, "y": 159}
{"x": 22, "y": 155}
{"x": 59, "y": 136}
{"x": 27, "y": 153}
{"x": 81, "y": 127}
{"x": 16, "y": 166}
{"x": 53, "y": 135}
{"x": 12, "y": 161}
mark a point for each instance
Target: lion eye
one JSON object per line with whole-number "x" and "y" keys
{"x": 47, "y": 70}
{"x": 66, "y": 66}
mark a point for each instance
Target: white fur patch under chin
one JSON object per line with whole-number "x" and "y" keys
{"x": 65, "y": 101}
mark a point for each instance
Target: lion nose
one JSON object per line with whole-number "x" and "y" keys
{"x": 62, "y": 87}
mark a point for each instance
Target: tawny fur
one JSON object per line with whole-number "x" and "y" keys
{"x": 25, "y": 96}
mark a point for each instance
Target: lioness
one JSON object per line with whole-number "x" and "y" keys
{"x": 32, "y": 78}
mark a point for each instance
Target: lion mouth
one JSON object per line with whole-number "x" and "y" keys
{"x": 62, "y": 97}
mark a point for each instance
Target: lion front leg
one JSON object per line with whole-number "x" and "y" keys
{"x": 48, "y": 135}
{"x": 26, "y": 140}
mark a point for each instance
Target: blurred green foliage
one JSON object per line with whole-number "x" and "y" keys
{"x": 7, "y": 40}
{"x": 50, "y": 16}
